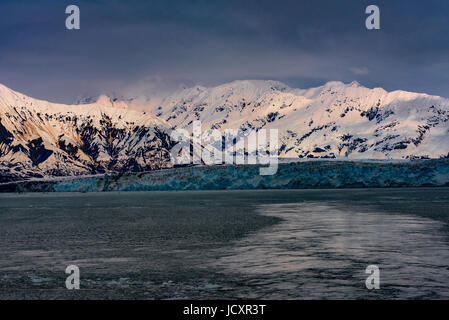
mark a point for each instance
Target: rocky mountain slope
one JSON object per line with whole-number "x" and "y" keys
{"x": 336, "y": 120}
{"x": 331, "y": 121}
{"x": 40, "y": 139}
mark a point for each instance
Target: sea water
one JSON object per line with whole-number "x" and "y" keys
{"x": 267, "y": 244}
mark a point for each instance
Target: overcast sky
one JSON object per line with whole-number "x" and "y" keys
{"x": 130, "y": 47}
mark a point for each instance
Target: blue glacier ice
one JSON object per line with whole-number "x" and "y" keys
{"x": 293, "y": 175}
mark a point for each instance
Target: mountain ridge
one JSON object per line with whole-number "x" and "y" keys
{"x": 40, "y": 138}
{"x": 336, "y": 120}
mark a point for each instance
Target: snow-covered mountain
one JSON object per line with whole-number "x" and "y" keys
{"x": 331, "y": 121}
{"x": 39, "y": 138}
{"x": 336, "y": 120}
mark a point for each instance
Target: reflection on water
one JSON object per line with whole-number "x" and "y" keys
{"x": 293, "y": 244}
{"x": 322, "y": 251}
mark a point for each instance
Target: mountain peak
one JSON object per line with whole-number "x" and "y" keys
{"x": 255, "y": 86}
{"x": 355, "y": 83}
{"x": 341, "y": 84}
{"x": 111, "y": 102}
{"x": 40, "y": 138}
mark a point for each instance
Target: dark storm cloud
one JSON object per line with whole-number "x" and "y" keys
{"x": 134, "y": 46}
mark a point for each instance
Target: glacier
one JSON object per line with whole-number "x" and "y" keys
{"x": 40, "y": 139}
{"x": 308, "y": 174}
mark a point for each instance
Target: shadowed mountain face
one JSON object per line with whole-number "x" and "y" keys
{"x": 39, "y": 139}
{"x": 336, "y": 120}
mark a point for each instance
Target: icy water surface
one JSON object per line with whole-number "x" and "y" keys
{"x": 305, "y": 244}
